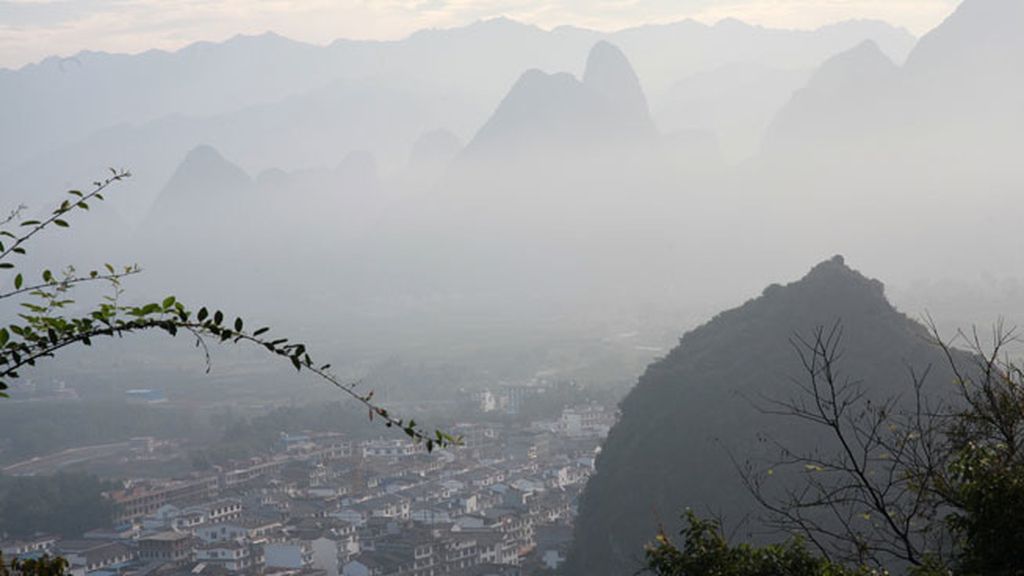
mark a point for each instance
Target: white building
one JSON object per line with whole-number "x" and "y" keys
{"x": 382, "y": 448}
{"x": 233, "y": 556}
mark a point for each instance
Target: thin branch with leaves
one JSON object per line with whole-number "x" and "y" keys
{"x": 44, "y": 328}
{"x": 870, "y": 500}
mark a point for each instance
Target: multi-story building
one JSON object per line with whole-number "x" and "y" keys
{"x": 171, "y": 547}
{"x": 254, "y": 529}
{"x": 93, "y": 555}
{"x": 233, "y": 555}
{"x": 145, "y": 498}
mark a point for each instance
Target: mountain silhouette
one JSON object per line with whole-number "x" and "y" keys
{"x": 690, "y": 410}
{"x": 544, "y": 112}
{"x": 611, "y": 78}
{"x": 979, "y": 33}
{"x": 848, "y": 99}
{"x": 205, "y": 204}
{"x": 202, "y": 176}
{"x": 956, "y": 101}
{"x": 66, "y": 116}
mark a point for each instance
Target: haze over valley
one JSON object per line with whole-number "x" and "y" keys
{"x": 582, "y": 250}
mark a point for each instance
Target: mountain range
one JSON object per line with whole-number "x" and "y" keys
{"x": 69, "y": 117}
{"x": 954, "y": 103}
{"x": 442, "y": 183}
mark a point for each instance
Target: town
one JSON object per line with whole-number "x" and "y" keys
{"x": 502, "y": 503}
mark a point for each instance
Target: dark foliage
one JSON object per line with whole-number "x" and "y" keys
{"x": 44, "y": 566}
{"x": 65, "y": 505}
{"x": 706, "y": 552}
{"x": 35, "y": 429}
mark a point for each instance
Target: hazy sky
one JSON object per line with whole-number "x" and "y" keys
{"x": 33, "y": 29}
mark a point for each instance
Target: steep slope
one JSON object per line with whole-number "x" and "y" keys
{"x": 206, "y": 203}
{"x": 204, "y": 175}
{"x": 610, "y": 76}
{"x": 539, "y": 107}
{"x": 969, "y": 71}
{"x": 980, "y": 33}
{"x": 557, "y": 153}
{"x": 550, "y": 113}
{"x": 850, "y": 98}
{"x": 955, "y": 103}
{"x": 670, "y": 449}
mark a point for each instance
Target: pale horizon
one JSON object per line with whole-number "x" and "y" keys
{"x": 32, "y": 30}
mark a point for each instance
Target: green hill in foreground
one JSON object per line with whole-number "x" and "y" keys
{"x": 671, "y": 448}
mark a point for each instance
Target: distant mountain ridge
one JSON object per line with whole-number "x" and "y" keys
{"x": 955, "y": 101}
{"x": 845, "y": 101}
{"x": 547, "y": 112}
{"x": 92, "y": 91}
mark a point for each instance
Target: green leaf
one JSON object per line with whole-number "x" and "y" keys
{"x": 6, "y": 265}
{"x": 61, "y": 223}
{"x": 203, "y": 313}
{"x": 5, "y": 336}
{"x": 218, "y": 317}
{"x": 238, "y": 324}
{"x": 261, "y": 331}
{"x": 18, "y": 281}
{"x": 169, "y": 301}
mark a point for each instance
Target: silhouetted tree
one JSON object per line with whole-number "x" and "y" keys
{"x": 928, "y": 484}
{"x": 871, "y": 500}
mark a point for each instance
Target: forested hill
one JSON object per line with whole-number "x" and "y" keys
{"x": 671, "y": 448}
